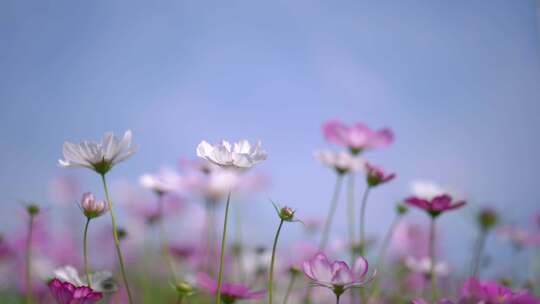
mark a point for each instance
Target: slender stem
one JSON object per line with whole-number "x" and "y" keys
{"x": 289, "y": 288}
{"x": 432, "y": 274}
{"x": 85, "y": 252}
{"x": 477, "y": 255}
{"x": 382, "y": 254}
{"x": 331, "y": 212}
{"x": 337, "y": 298}
{"x": 350, "y": 212}
{"x": 363, "y": 221}
{"x": 116, "y": 239}
{"x": 272, "y": 262}
{"x": 165, "y": 247}
{"x": 222, "y": 256}
{"x": 180, "y": 299}
{"x": 29, "y": 296}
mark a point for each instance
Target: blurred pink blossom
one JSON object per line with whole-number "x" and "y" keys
{"x": 357, "y": 137}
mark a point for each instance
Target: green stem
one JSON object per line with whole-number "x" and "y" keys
{"x": 29, "y": 296}
{"x": 331, "y": 212}
{"x": 165, "y": 247}
{"x": 363, "y": 221}
{"x": 350, "y": 212}
{"x": 116, "y": 239}
{"x": 477, "y": 256}
{"x": 85, "y": 253}
{"x": 382, "y": 254}
{"x": 180, "y": 299}
{"x": 337, "y": 299}
{"x": 272, "y": 262}
{"x": 222, "y": 255}
{"x": 432, "y": 274}
{"x": 289, "y": 288}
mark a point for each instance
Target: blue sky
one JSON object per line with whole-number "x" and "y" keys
{"x": 456, "y": 80}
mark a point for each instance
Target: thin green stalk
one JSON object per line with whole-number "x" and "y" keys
{"x": 350, "y": 212}
{"x": 289, "y": 288}
{"x": 477, "y": 255}
{"x": 165, "y": 247}
{"x": 432, "y": 274}
{"x": 331, "y": 212}
{"x": 29, "y": 296}
{"x": 222, "y": 255}
{"x": 272, "y": 262}
{"x": 337, "y": 298}
{"x": 382, "y": 254}
{"x": 116, "y": 239}
{"x": 180, "y": 299}
{"x": 85, "y": 253}
{"x": 363, "y": 221}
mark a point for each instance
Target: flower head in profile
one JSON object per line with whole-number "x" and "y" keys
{"x": 287, "y": 214}
{"x": 436, "y": 205}
{"x": 67, "y": 293}
{"x": 336, "y": 275}
{"x": 474, "y": 291}
{"x": 100, "y": 157}
{"x": 342, "y": 162}
{"x": 376, "y": 176}
{"x": 230, "y": 292}
{"x": 241, "y": 154}
{"x": 92, "y": 208}
{"x": 101, "y": 281}
{"x": 357, "y": 137}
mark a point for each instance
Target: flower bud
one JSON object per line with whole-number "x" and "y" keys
{"x": 286, "y": 214}
{"x": 32, "y": 209}
{"x": 184, "y": 288}
{"x": 92, "y": 208}
{"x": 487, "y": 218}
{"x": 401, "y": 209}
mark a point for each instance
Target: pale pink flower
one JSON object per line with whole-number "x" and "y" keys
{"x": 357, "y": 137}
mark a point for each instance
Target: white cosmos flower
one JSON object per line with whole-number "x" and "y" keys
{"x": 340, "y": 161}
{"x": 239, "y": 155}
{"x": 101, "y": 281}
{"x": 166, "y": 180}
{"x": 100, "y": 157}
{"x": 423, "y": 265}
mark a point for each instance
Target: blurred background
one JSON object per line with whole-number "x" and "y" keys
{"x": 457, "y": 81}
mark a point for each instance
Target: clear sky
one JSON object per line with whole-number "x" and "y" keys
{"x": 458, "y": 81}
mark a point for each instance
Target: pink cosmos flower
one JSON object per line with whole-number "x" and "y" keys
{"x": 92, "y": 208}
{"x": 67, "y": 293}
{"x": 336, "y": 275}
{"x": 436, "y": 205}
{"x": 357, "y": 137}
{"x": 474, "y": 291}
{"x": 376, "y": 175}
{"x": 230, "y": 292}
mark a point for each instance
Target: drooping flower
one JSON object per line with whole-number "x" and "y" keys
{"x": 241, "y": 154}
{"x": 67, "y": 293}
{"x": 101, "y": 281}
{"x": 230, "y": 292}
{"x": 357, "y": 137}
{"x": 342, "y": 162}
{"x": 100, "y": 157}
{"x": 336, "y": 275}
{"x": 376, "y": 176}
{"x": 164, "y": 181}
{"x": 92, "y": 208}
{"x": 474, "y": 291}
{"x": 435, "y": 206}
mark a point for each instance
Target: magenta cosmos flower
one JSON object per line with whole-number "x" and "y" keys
{"x": 357, "y": 137}
{"x": 67, "y": 293}
{"x": 376, "y": 175}
{"x": 436, "y": 205}
{"x": 474, "y": 291}
{"x": 336, "y": 275}
{"x": 230, "y": 292}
